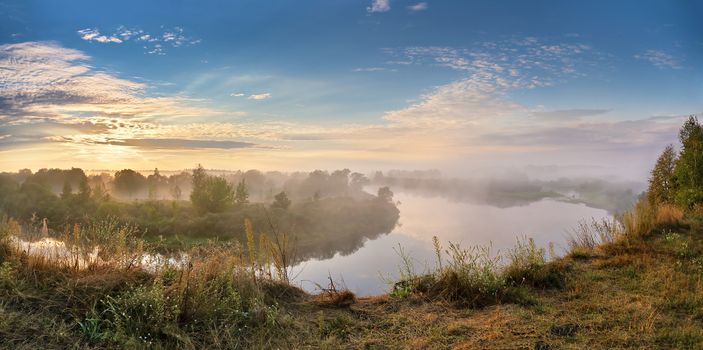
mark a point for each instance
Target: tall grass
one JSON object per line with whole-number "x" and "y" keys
{"x": 590, "y": 234}
{"x": 215, "y": 296}
{"x": 476, "y": 277}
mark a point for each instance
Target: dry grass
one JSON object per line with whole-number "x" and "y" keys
{"x": 634, "y": 291}
{"x": 668, "y": 215}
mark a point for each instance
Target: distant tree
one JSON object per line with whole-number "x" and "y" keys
{"x": 219, "y": 193}
{"x": 688, "y": 172}
{"x": 385, "y": 194}
{"x": 67, "y": 191}
{"x": 154, "y": 182}
{"x": 176, "y": 192}
{"x": 128, "y": 181}
{"x": 281, "y": 201}
{"x": 358, "y": 181}
{"x": 84, "y": 190}
{"x": 242, "y": 194}
{"x": 210, "y": 194}
{"x": 660, "y": 181}
{"x": 99, "y": 192}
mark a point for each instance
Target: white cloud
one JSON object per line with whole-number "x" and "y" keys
{"x": 660, "y": 59}
{"x": 259, "y": 97}
{"x": 89, "y": 34}
{"x": 153, "y": 44}
{"x": 420, "y": 6}
{"x": 379, "y": 6}
{"x": 237, "y": 94}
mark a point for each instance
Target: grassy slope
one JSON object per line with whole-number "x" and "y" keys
{"x": 646, "y": 294}
{"x": 642, "y": 293}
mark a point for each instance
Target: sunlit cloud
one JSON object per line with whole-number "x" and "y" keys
{"x": 53, "y": 95}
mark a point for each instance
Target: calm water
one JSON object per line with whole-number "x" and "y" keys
{"x": 366, "y": 271}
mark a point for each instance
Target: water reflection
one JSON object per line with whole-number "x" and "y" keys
{"x": 364, "y": 270}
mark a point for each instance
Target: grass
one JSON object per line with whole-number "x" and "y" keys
{"x": 633, "y": 283}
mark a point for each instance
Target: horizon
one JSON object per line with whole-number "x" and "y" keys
{"x": 546, "y": 88}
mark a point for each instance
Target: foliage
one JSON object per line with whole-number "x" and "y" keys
{"x": 210, "y": 194}
{"x": 385, "y": 194}
{"x": 688, "y": 171}
{"x": 242, "y": 194}
{"x": 660, "y": 181}
{"x": 130, "y": 182}
{"x": 281, "y": 201}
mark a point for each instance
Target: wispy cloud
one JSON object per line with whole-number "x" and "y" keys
{"x": 660, "y": 59}
{"x": 370, "y": 69}
{"x": 569, "y": 114}
{"x": 152, "y": 43}
{"x": 56, "y": 91}
{"x": 420, "y": 6}
{"x": 89, "y": 34}
{"x": 237, "y": 94}
{"x": 379, "y": 6}
{"x": 259, "y": 97}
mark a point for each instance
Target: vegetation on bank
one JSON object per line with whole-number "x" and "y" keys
{"x": 329, "y": 213}
{"x": 634, "y": 282}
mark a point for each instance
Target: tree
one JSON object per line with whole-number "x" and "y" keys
{"x": 128, "y": 181}
{"x": 281, "y": 201}
{"x": 154, "y": 182}
{"x": 176, "y": 192}
{"x": 660, "y": 182}
{"x": 385, "y": 194}
{"x": 67, "y": 190}
{"x": 242, "y": 194}
{"x": 84, "y": 190}
{"x": 210, "y": 194}
{"x": 358, "y": 181}
{"x": 688, "y": 172}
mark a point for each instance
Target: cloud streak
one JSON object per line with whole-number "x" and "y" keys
{"x": 660, "y": 59}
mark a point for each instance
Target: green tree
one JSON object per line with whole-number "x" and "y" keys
{"x": 242, "y": 195}
{"x": 688, "y": 171}
{"x": 281, "y": 201}
{"x": 210, "y": 194}
{"x": 660, "y": 181}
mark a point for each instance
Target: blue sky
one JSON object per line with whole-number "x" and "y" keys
{"x": 457, "y": 85}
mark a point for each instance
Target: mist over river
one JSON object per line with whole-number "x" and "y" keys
{"x": 367, "y": 270}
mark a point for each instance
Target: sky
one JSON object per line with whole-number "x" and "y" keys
{"x": 467, "y": 87}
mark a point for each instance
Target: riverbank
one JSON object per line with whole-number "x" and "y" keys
{"x": 636, "y": 290}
